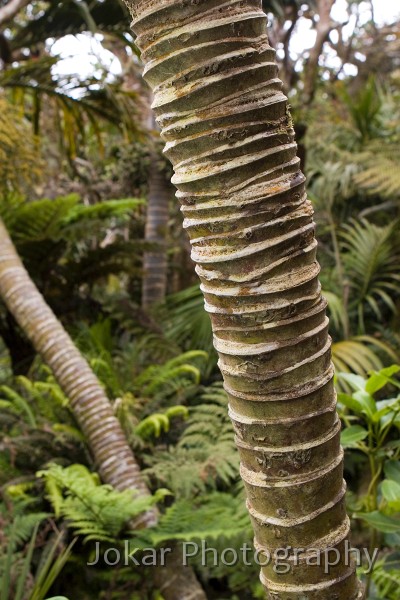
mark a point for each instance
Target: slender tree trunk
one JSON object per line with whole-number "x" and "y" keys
{"x": 155, "y": 261}
{"x": 229, "y": 135}
{"x": 92, "y": 409}
{"x": 323, "y": 28}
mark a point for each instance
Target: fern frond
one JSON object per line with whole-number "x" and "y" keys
{"x": 18, "y": 404}
{"x": 94, "y": 511}
{"x": 157, "y": 423}
{"x": 205, "y": 456}
{"x": 172, "y": 378}
{"x": 105, "y": 210}
{"x": 387, "y": 580}
{"x": 41, "y": 219}
{"x": 212, "y": 517}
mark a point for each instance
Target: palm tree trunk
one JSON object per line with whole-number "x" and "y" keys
{"x": 155, "y": 263}
{"x": 106, "y": 440}
{"x": 230, "y": 137}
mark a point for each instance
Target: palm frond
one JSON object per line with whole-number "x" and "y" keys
{"x": 335, "y": 309}
{"x": 77, "y": 104}
{"x": 20, "y": 165}
{"x": 379, "y": 169}
{"x": 331, "y": 181}
{"x": 70, "y": 17}
{"x": 361, "y": 354}
{"x": 371, "y": 256}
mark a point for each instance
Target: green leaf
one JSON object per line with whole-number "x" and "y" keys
{"x": 177, "y": 411}
{"x": 392, "y": 418}
{"x": 392, "y": 470}
{"x": 391, "y": 493}
{"x": 379, "y": 379}
{"x": 351, "y": 435}
{"x": 385, "y": 407}
{"x": 380, "y": 521}
{"x": 355, "y": 381}
{"x": 154, "y": 424}
{"x": 350, "y": 403}
{"x": 367, "y": 402}
{"x": 23, "y": 576}
{"x": 21, "y": 405}
{"x": 51, "y": 569}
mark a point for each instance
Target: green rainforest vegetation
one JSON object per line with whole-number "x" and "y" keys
{"x": 199, "y": 300}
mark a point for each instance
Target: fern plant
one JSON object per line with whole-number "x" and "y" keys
{"x": 386, "y": 579}
{"x": 64, "y": 217}
{"x": 211, "y": 517}
{"x": 94, "y": 511}
{"x": 157, "y": 423}
{"x": 36, "y": 426}
{"x": 186, "y": 321}
{"x": 66, "y": 264}
{"x": 173, "y": 377}
{"x": 68, "y": 248}
{"x": 205, "y": 457}
{"x": 214, "y": 522}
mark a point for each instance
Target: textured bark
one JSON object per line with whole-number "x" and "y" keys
{"x": 155, "y": 263}
{"x": 92, "y": 409}
{"x": 89, "y": 403}
{"x": 229, "y": 135}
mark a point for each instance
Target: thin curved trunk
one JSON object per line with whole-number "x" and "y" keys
{"x": 155, "y": 263}
{"x": 106, "y": 440}
{"x": 229, "y": 135}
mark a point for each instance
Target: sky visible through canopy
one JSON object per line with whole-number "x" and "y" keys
{"x": 83, "y": 55}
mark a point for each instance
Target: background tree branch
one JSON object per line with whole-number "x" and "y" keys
{"x": 9, "y": 11}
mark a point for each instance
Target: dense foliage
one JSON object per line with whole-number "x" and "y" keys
{"x": 74, "y": 167}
